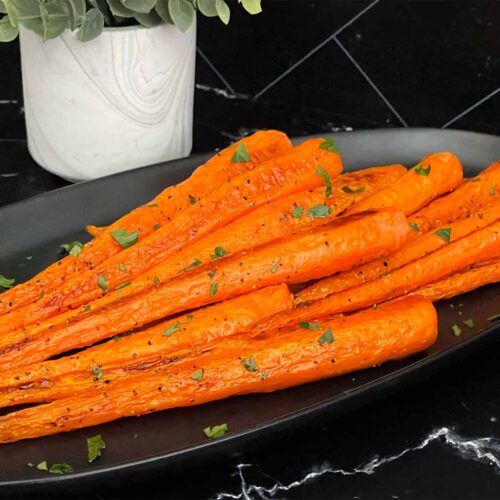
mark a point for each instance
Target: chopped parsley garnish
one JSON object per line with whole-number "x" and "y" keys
{"x": 493, "y": 190}
{"x": 156, "y": 280}
{"x": 249, "y": 364}
{"x": 43, "y": 465}
{"x": 174, "y": 327}
{"x": 326, "y": 338}
{"x": 218, "y": 253}
{"x": 275, "y": 266}
{"x": 495, "y": 317}
{"x": 101, "y": 281}
{"x": 74, "y": 248}
{"x": 192, "y": 199}
{"x": 124, "y": 239}
{"x": 328, "y": 145}
{"x": 240, "y": 154}
{"x": 414, "y": 226}
{"x": 421, "y": 170}
{"x": 61, "y": 469}
{"x": 156, "y": 227}
{"x": 122, "y": 285}
{"x": 95, "y": 445}
{"x": 475, "y": 179}
{"x": 86, "y": 308}
{"x": 319, "y": 211}
{"x": 444, "y": 233}
{"x": 347, "y": 189}
{"x": 457, "y": 331}
{"x": 264, "y": 375}
{"x": 196, "y": 262}
{"x": 297, "y": 212}
{"x": 216, "y": 431}
{"x": 328, "y": 181}
{"x": 309, "y": 325}
{"x": 122, "y": 267}
{"x": 211, "y": 274}
{"x": 6, "y": 282}
{"x": 468, "y": 322}
{"x": 214, "y": 287}
{"x": 153, "y": 205}
{"x": 198, "y": 375}
{"x": 98, "y": 373}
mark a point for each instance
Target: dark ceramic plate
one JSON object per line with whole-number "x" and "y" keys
{"x": 33, "y": 230}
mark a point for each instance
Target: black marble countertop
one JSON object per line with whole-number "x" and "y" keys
{"x": 356, "y": 64}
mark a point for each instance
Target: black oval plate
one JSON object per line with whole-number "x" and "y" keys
{"x": 32, "y": 231}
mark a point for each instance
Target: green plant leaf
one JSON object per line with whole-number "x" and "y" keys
{"x": 11, "y": 13}
{"x": 3, "y": 9}
{"x": 139, "y": 6}
{"x": 7, "y": 31}
{"x": 182, "y": 13}
{"x": 28, "y": 14}
{"x": 162, "y": 10}
{"x": 76, "y": 12}
{"x": 118, "y": 9}
{"x": 92, "y": 26}
{"x": 223, "y": 11}
{"x": 207, "y": 8}
{"x": 149, "y": 20}
{"x": 251, "y": 6}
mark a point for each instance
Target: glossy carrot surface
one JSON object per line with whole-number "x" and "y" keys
{"x": 242, "y": 366}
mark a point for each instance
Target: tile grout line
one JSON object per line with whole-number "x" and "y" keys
{"x": 371, "y": 83}
{"x": 215, "y": 70}
{"x": 313, "y": 51}
{"x": 470, "y": 108}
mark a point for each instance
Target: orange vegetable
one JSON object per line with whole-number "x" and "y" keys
{"x": 436, "y": 174}
{"x": 461, "y": 282}
{"x": 241, "y": 366}
{"x": 483, "y": 244}
{"x": 469, "y": 197}
{"x": 343, "y": 243}
{"x": 412, "y": 250}
{"x": 157, "y": 346}
{"x": 289, "y": 173}
{"x": 261, "y": 146}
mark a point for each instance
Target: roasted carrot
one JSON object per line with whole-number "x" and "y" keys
{"x": 159, "y": 345}
{"x": 412, "y": 250}
{"x": 343, "y": 243}
{"x": 461, "y": 282}
{"x": 242, "y": 366}
{"x": 289, "y": 173}
{"x": 469, "y": 197}
{"x": 483, "y": 244}
{"x": 260, "y": 146}
{"x": 436, "y": 174}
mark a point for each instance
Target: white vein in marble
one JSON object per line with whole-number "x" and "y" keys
{"x": 485, "y": 450}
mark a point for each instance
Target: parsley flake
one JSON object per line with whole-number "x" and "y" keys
{"x": 61, "y": 469}
{"x": 98, "y": 373}
{"x": 122, "y": 285}
{"x": 192, "y": 199}
{"x": 174, "y": 327}
{"x": 275, "y": 266}
{"x": 156, "y": 280}
{"x": 218, "y": 253}
{"x": 101, "y": 281}
{"x": 444, "y": 233}
{"x": 86, "y": 308}
{"x": 6, "y": 282}
{"x": 328, "y": 145}
{"x": 493, "y": 190}
{"x": 328, "y": 181}
{"x": 457, "y": 331}
{"x": 214, "y": 287}
{"x": 122, "y": 267}
{"x": 414, "y": 226}
{"x": 74, "y": 248}
{"x": 495, "y": 317}
{"x": 196, "y": 262}
{"x": 249, "y": 364}
{"x": 468, "y": 322}
{"x": 297, "y": 212}
{"x": 216, "y": 431}
{"x": 95, "y": 445}
{"x": 319, "y": 211}
{"x": 43, "y": 465}
{"x": 349, "y": 190}
{"x": 421, "y": 170}
{"x": 156, "y": 227}
{"x": 240, "y": 154}
{"x": 309, "y": 325}
{"x": 124, "y": 239}
{"x": 264, "y": 375}
{"x": 198, "y": 375}
{"x": 326, "y": 338}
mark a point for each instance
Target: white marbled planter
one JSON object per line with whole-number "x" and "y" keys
{"x": 120, "y": 101}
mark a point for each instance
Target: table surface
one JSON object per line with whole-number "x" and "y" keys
{"x": 437, "y": 437}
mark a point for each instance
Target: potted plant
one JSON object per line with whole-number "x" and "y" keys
{"x": 108, "y": 84}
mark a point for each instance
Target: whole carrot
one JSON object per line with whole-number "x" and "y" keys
{"x": 343, "y": 243}
{"x": 483, "y": 244}
{"x": 461, "y": 282}
{"x": 260, "y": 146}
{"x": 242, "y": 366}
{"x": 436, "y": 174}
{"x": 469, "y": 197}
{"x": 157, "y": 346}
{"x": 289, "y": 173}
{"x": 412, "y": 250}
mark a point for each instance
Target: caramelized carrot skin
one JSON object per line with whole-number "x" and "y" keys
{"x": 290, "y": 173}
{"x": 412, "y": 250}
{"x": 471, "y": 196}
{"x": 369, "y": 338}
{"x": 261, "y": 146}
{"x": 66, "y": 376}
{"x": 340, "y": 245}
{"x": 413, "y": 191}
{"x": 461, "y": 282}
